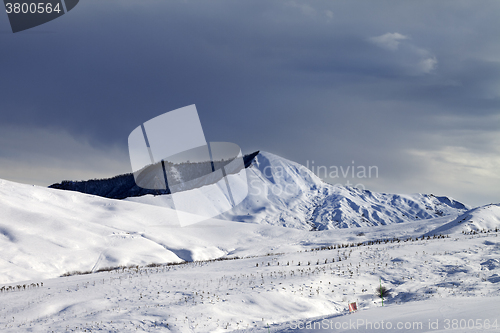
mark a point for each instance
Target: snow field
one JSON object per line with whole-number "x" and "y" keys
{"x": 45, "y": 233}
{"x": 250, "y": 293}
{"x": 288, "y": 274}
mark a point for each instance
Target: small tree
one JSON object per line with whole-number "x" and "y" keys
{"x": 382, "y": 291}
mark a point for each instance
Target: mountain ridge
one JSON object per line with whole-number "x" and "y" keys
{"x": 283, "y": 192}
{"x": 46, "y": 232}
{"x": 120, "y": 186}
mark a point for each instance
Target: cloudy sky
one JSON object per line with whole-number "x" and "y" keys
{"x": 411, "y": 87}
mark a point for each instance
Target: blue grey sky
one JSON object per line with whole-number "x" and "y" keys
{"x": 411, "y": 87}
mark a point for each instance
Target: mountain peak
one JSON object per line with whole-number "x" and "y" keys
{"x": 287, "y": 194}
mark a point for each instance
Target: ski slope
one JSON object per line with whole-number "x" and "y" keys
{"x": 429, "y": 279}
{"x": 436, "y": 256}
{"x": 47, "y": 232}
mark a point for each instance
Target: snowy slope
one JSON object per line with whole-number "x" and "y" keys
{"x": 283, "y": 276}
{"x": 46, "y": 232}
{"x": 287, "y": 194}
{"x": 282, "y": 279}
{"x": 351, "y": 207}
{"x": 475, "y": 220}
{"x": 431, "y": 279}
{"x": 460, "y": 315}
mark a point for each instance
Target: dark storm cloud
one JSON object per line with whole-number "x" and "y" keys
{"x": 330, "y": 81}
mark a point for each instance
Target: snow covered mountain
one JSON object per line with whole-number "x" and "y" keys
{"x": 280, "y": 278}
{"x": 288, "y": 194}
{"x": 46, "y": 232}
{"x": 285, "y": 193}
{"x": 479, "y": 219}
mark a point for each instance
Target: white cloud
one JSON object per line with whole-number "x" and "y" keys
{"x": 305, "y": 8}
{"x": 427, "y": 65}
{"x": 389, "y": 41}
{"x": 459, "y": 170}
{"x": 419, "y": 60}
